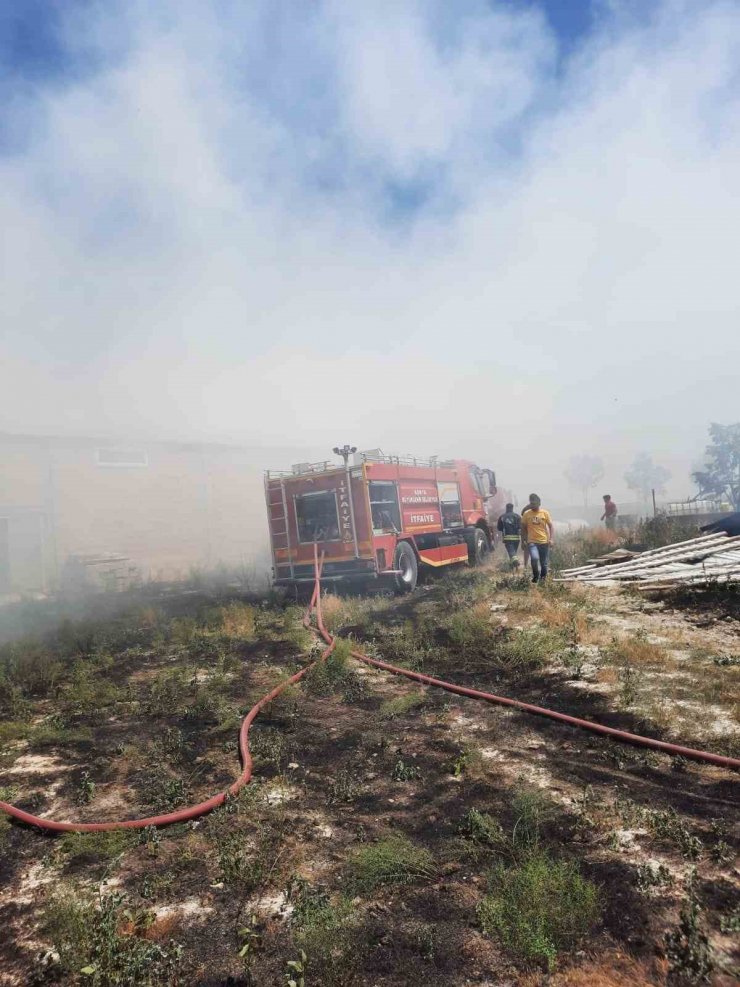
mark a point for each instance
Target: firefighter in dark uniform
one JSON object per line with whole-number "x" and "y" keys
{"x": 509, "y": 526}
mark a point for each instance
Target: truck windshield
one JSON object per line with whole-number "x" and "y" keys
{"x": 316, "y": 516}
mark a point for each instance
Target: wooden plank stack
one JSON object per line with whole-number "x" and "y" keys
{"x": 700, "y": 562}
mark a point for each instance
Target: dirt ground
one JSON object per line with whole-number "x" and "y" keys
{"x": 285, "y": 882}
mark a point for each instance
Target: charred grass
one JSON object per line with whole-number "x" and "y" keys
{"x": 392, "y": 834}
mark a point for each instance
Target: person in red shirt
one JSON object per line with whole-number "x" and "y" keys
{"x": 609, "y": 517}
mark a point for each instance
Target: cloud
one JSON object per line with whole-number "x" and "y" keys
{"x": 411, "y": 226}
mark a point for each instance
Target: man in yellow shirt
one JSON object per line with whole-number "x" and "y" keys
{"x": 537, "y": 536}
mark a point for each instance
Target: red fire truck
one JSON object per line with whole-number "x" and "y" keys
{"x": 377, "y": 518}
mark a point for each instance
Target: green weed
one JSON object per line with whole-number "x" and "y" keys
{"x": 483, "y": 830}
{"x": 13, "y": 730}
{"x": 239, "y": 863}
{"x": 539, "y": 908}
{"x": 270, "y": 747}
{"x": 94, "y": 848}
{"x": 89, "y": 941}
{"x": 344, "y": 787}
{"x": 85, "y": 789}
{"x": 328, "y": 932}
{"x": 687, "y": 946}
{"x": 526, "y": 650}
{"x": 400, "y": 705}
{"x": 651, "y": 875}
{"x": 165, "y": 694}
{"x": 531, "y": 810}
{"x": 295, "y": 972}
{"x": 395, "y": 860}
{"x": 405, "y": 772}
{"x": 468, "y": 760}
{"x": 332, "y": 674}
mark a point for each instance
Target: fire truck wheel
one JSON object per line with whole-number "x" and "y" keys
{"x": 478, "y": 548}
{"x": 405, "y": 561}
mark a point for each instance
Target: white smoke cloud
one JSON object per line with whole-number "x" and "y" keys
{"x": 213, "y": 234}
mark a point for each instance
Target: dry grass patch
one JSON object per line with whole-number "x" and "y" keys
{"x": 611, "y": 971}
{"x": 351, "y": 611}
{"x": 238, "y": 620}
{"x": 636, "y": 649}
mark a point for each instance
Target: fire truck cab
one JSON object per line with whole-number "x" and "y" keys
{"x": 377, "y": 518}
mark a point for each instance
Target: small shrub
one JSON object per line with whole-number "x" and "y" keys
{"x": 630, "y": 681}
{"x": 284, "y": 707}
{"x": 90, "y": 941}
{"x": 182, "y": 630}
{"x": 206, "y": 648}
{"x": 206, "y": 707}
{"x": 395, "y": 860}
{"x": 471, "y": 630}
{"x": 661, "y": 530}
{"x": 85, "y": 789}
{"x": 27, "y": 668}
{"x": 165, "y": 694}
{"x": 47, "y": 735}
{"x": 531, "y": 810}
{"x": 726, "y": 661}
{"x": 87, "y": 692}
{"x": 405, "y": 772}
{"x": 578, "y": 547}
{"x": 668, "y": 826}
{"x": 331, "y": 674}
{"x": 526, "y": 650}
{"x": 344, "y": 787}
{"x": 329, "y": 934}
{"x": 483, "y": 830}
{"x": 12, "y": 730}
{"x": 239, "y": 863}
{"x": 539, "y": 908}
{"x": 467, "y": 761}
{"x": 651, "y": 875}
{"x": 295, "y": 971}
{"x": 246, "y": 856}
{"x": 687, "y": 946}
{"x": 270, "y": 747}
{"x": 310, "y": 904}
{"x": 409, "y": 645}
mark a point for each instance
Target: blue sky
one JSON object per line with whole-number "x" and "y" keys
{"x": 483, "y": 208}
{"x": 33, "y": 46}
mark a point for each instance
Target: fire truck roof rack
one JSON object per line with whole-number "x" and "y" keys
{"x": 376, "y": 456}
{"x": 373, "y": 456}
{"x": 300, "y": 469}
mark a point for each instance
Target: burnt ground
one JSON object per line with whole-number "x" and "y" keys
{"x": 147, "y": 720}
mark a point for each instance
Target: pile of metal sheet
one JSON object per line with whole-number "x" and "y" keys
{"x": 710, "y": 560}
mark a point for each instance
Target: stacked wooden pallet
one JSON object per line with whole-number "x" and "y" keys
{"x": 712, "y": 559}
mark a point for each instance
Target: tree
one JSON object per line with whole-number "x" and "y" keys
{"x": 583, "y": 473}
{"x": 721, "y": 474}
{"x": 644, "y": 476}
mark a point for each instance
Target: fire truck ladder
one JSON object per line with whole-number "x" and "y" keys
{"x": 278, "y": 511}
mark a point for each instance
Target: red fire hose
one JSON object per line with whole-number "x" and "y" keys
{"x": 628, "y": 738}
{"x": 193, "y": 811}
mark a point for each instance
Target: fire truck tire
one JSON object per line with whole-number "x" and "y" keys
{"x": 478, "y": 547}
{"x": 404, "y": 560}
